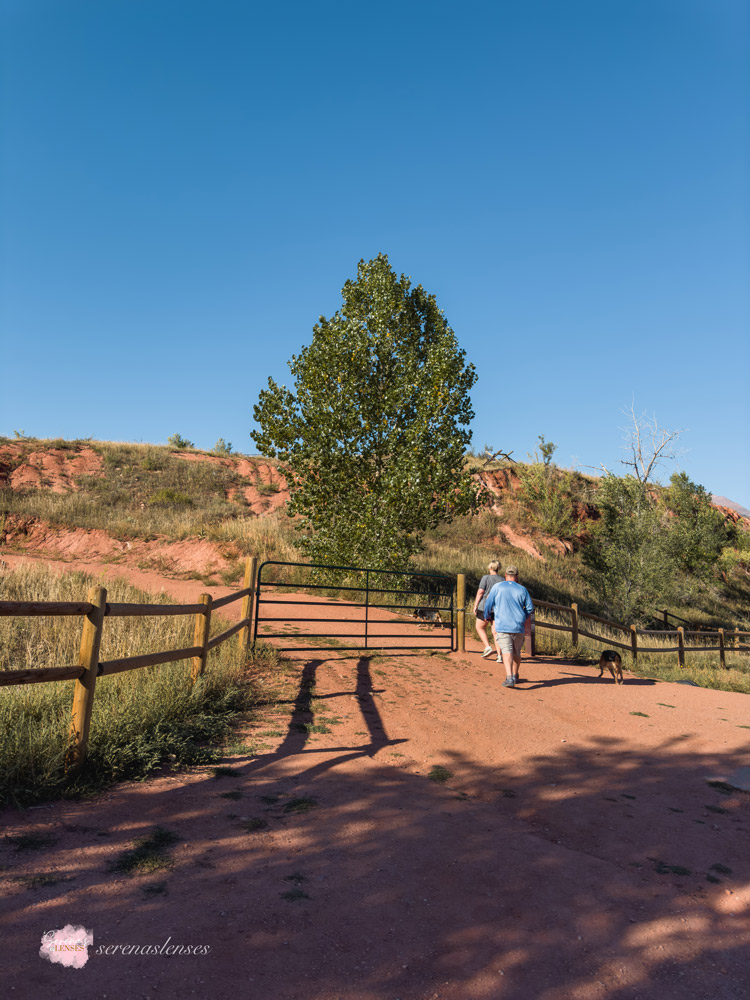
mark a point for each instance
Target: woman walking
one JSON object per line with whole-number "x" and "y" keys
{"x": 486, "y": 584}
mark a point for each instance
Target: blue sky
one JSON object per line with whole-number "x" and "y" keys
{"x": 186, "y": 185}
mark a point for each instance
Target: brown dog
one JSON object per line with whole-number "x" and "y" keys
{"x": 613, "y": 662}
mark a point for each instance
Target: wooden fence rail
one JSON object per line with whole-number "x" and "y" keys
{"x": 96, "y": 609}
{"x": 89, "y": 668}
{"x": 724, "y": 636}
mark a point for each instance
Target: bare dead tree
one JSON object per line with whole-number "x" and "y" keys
{"x": 648, "y": 444}
{"x": 494, "y": 456}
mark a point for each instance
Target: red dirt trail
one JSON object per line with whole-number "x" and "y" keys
{"x": 566, "y": 856}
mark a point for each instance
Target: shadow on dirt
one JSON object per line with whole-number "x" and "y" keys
{"x": 599, "y": 871}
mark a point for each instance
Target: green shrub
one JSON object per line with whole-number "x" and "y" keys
{"x": 169, "y": 497}
{"x": 222, "y": 447}
{"x": 179, "y": 442}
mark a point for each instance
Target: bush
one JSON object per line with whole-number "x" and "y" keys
{"x": 179, "y": 442}
{"x": 167, "y": 497}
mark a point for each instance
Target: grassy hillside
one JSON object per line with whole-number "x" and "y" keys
{"x": 146, "y": 491}
{"x": 143, "y": 491}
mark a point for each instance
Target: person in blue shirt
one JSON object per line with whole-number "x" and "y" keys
{"x": 510, "y": 605}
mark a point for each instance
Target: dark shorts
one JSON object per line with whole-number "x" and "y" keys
{"x": 482, "y": 618}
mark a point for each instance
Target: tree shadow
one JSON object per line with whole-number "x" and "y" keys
{"x": 603, "y": 869}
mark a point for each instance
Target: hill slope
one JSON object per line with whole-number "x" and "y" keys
{"x": 192, "y": 514}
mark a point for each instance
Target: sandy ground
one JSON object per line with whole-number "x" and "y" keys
{"x": 577, "y": 849}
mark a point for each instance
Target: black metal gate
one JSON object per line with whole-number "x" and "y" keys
{"x": 425, "y": 617}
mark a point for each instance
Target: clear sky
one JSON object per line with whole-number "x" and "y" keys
{"x": 187, "y": 184}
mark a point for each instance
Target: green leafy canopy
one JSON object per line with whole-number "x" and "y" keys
{"x": 376, "y": 428}
{"x": 651, "y": 545}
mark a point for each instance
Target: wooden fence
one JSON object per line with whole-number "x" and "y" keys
{"x": 725, "y": 638}
{"x": 95, "y": 610}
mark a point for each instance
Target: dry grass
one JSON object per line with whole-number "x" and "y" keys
{"x": 141, "y": 718}
{"x": 144, "y": 491}
{"x": 703, "y": 668}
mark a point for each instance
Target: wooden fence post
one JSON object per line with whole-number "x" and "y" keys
{"x": 200, "y": 637}
{"x": 634, "y": 644}
{"x": 461, "y": 612}
{"x": 722, "y": 657}
{"x": 681, "y": 645}
{"x": 83, "y": 699}
{"x": 736, "y": 638}
{"x": 574, "y": 624}
{"x": 251, "y": 569}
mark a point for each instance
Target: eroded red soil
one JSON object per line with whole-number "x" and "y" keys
{"x": 81, "y": 548}
{"x": 54, "y": 469}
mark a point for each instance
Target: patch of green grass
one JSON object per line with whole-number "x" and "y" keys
{"x": 149, "y": 854}
{"x": 300, "y": 805}
{"x": 234, "y": 794}
{"x": 222, "y": 771}
{"x": 295, "y": 877}
{"x": 626, "y": 796}
{"x": 41, "y": 880}
{"x": 722, "y": 786}
{"x": 254, "y": 824}
{"x": 642, "y": 714}
{"x": 269, "y": 800}
{"x": 662, "y": 868}
{"x": 31, "y": 841}
{"x": 664, "y": 704}
{"x": 312, "y": 727}
{"x": 294, "y": 895}
{"x": 169, "y": 497}
{"x": 440, "y": 774}
{"x": 721, "y": 869}
{"x": 712, "y": 878}
{"x": 715, "y": 809}
{"x": 155, "y": 889}
{"x": 234, "y": 747}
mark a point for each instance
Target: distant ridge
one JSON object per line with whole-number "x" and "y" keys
{"x": 723, "y": 502}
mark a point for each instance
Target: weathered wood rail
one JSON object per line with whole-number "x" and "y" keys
{"x": 95, "y": 610}
{"x": 725, "y": 638}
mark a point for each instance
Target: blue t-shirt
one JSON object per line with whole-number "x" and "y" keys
{"x": 511, "y": 605}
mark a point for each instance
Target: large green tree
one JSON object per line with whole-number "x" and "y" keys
{"x": 376, "y": 426}
{"x": 654, "y": 545}
{"x": 627, "y": 556}
{"x": 698, "y": 532}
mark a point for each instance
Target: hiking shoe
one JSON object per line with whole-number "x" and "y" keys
{"x": 488, "y": 651}
{"x": 509, "y": 682}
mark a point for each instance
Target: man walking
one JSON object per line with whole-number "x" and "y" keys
{"x": 511, "y": 605}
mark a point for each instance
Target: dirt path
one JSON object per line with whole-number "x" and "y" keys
{"x": 576, "y": 849}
